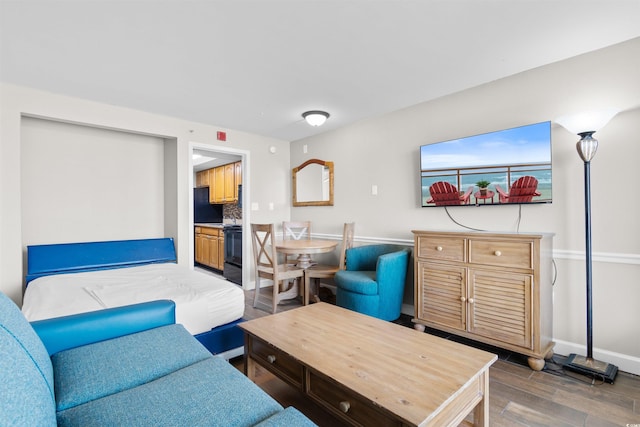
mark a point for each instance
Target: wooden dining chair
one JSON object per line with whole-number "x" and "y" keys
{"x": 267, "y": 266}
{"x": 295, "y": 230}
{"x": 320, "y": 271}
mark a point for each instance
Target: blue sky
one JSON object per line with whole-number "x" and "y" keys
{"x": 525, "y": 144}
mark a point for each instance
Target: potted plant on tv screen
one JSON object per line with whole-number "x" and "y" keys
{"x": 482, "y": 185}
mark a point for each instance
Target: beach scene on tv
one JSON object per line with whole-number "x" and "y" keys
{"x": 510, "y": 166}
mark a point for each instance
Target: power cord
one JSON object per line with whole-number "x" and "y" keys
{"x": 519, "y": 218}
{"x": 461, "y": 225}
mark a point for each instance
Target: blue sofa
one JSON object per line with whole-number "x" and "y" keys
{"x": 373, "y": 280}
{"x": 128, "y": 366}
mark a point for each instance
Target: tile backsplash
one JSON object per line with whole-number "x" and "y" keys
{"x": 231, "y": 211}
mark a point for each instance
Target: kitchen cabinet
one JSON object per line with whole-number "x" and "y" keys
{"x": 218, "y": 188}
{"x": 238, "y": 176}
{"x": 209, "y": 242}
{"x": 202, "y": 178}
{"x": 229, "y": 183}
{"x": 223, "y": 182}
{"x": 494, "y": 288}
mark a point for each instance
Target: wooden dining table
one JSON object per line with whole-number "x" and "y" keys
{"x": 305, "y": 248}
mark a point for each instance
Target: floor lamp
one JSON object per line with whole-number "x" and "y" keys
{"x": 586, "y": 125}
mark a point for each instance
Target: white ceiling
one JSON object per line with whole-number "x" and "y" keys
{"x": 256, "y": 66}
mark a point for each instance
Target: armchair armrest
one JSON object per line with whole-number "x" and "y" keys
{"x": 63, "y": 333}
{"x": 392, "y": 268}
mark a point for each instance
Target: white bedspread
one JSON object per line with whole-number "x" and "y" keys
{"x": 202, "y": 301}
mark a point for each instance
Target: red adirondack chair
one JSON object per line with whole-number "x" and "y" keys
{"x": 445, "y": 194}
{"x": 522, "y": 190}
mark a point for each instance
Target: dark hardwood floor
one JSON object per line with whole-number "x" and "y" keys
{"x": 518, "y": 396}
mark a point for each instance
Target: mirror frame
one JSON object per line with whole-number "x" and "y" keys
{"x": 295, "y": 188}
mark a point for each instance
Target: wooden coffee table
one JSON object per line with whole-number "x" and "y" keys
{"x": 370, "y": 372}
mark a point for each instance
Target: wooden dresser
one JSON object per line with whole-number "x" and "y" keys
{"x": 494, "y": 288}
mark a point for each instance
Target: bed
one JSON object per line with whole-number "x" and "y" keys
{"x": 70, "y": 278}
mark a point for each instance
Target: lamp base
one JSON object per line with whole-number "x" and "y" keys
{"x": 591, "y": 367}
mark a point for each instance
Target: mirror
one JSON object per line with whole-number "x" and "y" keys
{"x": 313, "y": 183}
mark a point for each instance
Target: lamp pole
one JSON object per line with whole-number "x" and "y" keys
{"x": 587, "y": 147}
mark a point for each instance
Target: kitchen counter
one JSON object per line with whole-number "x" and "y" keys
{"x": 209, "y": 224}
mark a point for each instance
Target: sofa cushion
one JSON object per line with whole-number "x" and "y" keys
{"x": 358, "y": 282}
{"x": 26, "y": 393}
{"x": 289, "y": 417}
{"x": 94, "y": 371}
{"x": 207, "y": 393}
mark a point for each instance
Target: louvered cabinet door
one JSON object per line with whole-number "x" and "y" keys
{"x": 500, "y": 306}
{"x": 442, "y": 296}
{"x": 490, "y": 287}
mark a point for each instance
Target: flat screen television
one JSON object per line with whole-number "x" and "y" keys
{"x": 514, "y": 163}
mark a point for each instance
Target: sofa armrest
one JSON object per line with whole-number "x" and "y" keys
{"x": 63, "y": 333}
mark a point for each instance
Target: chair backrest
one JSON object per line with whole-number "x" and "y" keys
{"x": 264, "y": 248}
{"x": 365, "y": 258}
{"x": 347, "y": 242}
{"x": 523, "y": 189}
{"x": 444, "y": 193}
{"x": 26, "y": 393}
{"x": 296, "y": 230}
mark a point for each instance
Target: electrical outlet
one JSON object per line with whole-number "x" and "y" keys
{"x": 374, "y": 190}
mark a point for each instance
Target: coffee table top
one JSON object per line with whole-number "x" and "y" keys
{"x": 410, "y": 373}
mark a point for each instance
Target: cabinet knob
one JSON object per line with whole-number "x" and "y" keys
{"x": 463, "y": 299}
{"x": 271, "y": 358}
{"x": 439, "y": 248}
{"x": 344, "y": 406}
{"x": 471, "y": 301}
{"x": 497, "y": 253}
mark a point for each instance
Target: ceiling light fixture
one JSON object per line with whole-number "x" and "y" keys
{"x": 315, "y": 117}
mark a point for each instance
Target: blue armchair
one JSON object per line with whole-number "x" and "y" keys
{"x": 373, "y": 281}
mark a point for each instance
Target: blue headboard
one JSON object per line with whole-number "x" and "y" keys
{"x": 46, "y": 260}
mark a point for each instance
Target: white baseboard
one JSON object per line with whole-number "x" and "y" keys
{"x": 624, "y": 362}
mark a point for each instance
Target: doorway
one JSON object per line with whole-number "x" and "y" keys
{"x": 203, "y": 157}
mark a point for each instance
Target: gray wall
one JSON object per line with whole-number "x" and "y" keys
{"x": 138, "y": 163}
{"x": 384, "y": 151}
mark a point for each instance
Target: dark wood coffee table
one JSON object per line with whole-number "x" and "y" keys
{"x": 370, "y": 372}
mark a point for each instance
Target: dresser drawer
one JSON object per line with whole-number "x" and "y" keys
{"x": 280, "y": 363}
{"x": 444, "y": 248}
{"x": 502, "y": 253}
{"x": 345, "y": 404}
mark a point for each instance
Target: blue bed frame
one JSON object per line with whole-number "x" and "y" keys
{"x": 63, "y": 258}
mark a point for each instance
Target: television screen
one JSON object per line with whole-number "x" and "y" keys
{"x": 504, "y": 167}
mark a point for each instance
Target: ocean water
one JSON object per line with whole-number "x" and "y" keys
{"x": 495, "y": 178}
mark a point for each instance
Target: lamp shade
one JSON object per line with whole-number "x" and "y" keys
{"x": 588, "y": 121}
{"x": 315, "y": 118}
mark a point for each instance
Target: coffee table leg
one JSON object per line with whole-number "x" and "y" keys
{"x": 481, "y": 411}
{"x": 249, "y": 363}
